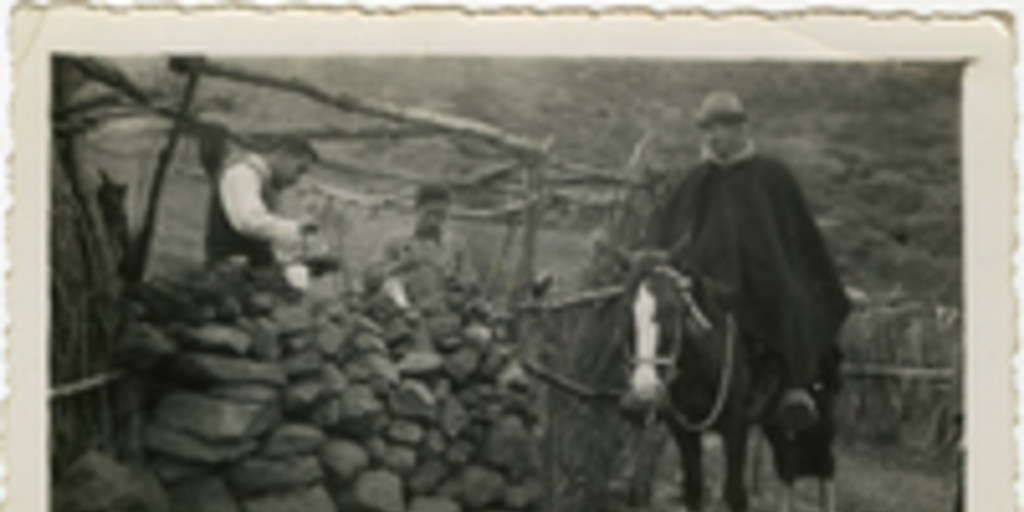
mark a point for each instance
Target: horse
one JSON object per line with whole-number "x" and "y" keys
{"x": 693, "y": 368}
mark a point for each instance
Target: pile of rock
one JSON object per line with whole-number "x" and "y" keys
{"x": 277, "y": 406}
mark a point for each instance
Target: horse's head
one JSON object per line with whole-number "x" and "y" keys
{"x": 664, "y": 313}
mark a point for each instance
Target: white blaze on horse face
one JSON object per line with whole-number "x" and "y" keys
{"x": 645, "y": 382}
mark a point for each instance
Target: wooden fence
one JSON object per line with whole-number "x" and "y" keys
{"x": 89, "y": 410}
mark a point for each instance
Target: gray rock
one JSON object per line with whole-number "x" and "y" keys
{"x": 361, "y": 412}
{"x": 413, "y": 400}
{"x": 335, "y": 382}
{"x": 306, "y": 362}
{"x": 420, "y": 363}
{"x": 301, "y": 395}
{"x": 364, "y": 324}
{"x": 215, "y": 419}
{"x": 434, "y": 443}
{"x": 327, "y": 413}
{"x": 336, "y": 311}
{"x": 191, "y": 448}
{"x": 366, "y": 342}
{"x": 434, "y": 504}
{"x": 400, "y": 459}
{"x": 453, "y": 416}
{"x": 330, "y": 338}
{"x": 451, "y": 487}
{"x": 171, "y": 470}
{"x": 525, "y": 495}
{"x": 263, "y": 333}
{"x": 298, "y": 342}
{"x": 481, "y": 487}
{"x": 293, "y": 439}
{"x": 258, "y": 304}
{"x": 259, "y": 476}
{"x": 242, "y": 392}
{"x": 292, "y": 319}
{"x": 509, "y": 446}
{"x": 213, "y": 369}
{"x": 379, "y": 491}
{"x": 443, "y": 326}
{"x": 462, "y": 364}
{"x": 448, "y": 343}
{"x": 405, "y": 432}
{"x": 343, "y": 460}
{"x": 513, "y": 378}
{"x": 442, "y": 387}
{"x": 378, "y": 451}
{"x": 460, "y": 452}
{"x": 396, "y": 330}
{"x": 494, "y": 359}
{"x": 372, "y": 366}
{"x": 478, "y": 334}
{"x": 97, "y": 483}
{"x": 142, "y": 347}
{"x": 207, "y": 494}
{"x": 222, "y": 339}
{"x": 310, "y": 499}
{"x": 427, "y": 477}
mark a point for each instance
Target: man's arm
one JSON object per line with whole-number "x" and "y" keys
{"x": 243, "y": 204}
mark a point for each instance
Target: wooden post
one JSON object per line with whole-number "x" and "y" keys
{"x": 138, "y": 251}
{"x": 532, "y": 220}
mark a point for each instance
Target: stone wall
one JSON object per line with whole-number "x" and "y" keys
{"x": 269, "y": 403}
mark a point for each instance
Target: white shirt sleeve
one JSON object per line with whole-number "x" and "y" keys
{"x": 243, "y": 204}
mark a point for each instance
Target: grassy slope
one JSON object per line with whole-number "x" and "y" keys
{"x": 877, "y": 148}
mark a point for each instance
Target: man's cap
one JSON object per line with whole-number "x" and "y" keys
{"x": 721, "y": 106}
{"x": 432, "y": 193}
{"x": 289, "y": 145}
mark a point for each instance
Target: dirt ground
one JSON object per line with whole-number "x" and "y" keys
{"x": 870, "y": 479}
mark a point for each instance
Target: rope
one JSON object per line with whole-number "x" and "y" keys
{"x": 723, "y": 386}
{"x": 683, "y": 284}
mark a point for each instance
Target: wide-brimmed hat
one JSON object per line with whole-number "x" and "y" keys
{"x": 721, "y": 106}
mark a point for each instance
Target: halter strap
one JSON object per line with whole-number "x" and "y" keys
{"x": 684, "y": 285}
{"x": 656, "y": 361}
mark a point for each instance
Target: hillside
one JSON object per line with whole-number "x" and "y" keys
{"x": 876, "y": 146}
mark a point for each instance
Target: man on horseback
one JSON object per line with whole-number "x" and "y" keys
{"x": 739, "y": 222}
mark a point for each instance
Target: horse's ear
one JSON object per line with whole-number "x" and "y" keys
{"x": 618, "y": 254}
{"x": 105, "y": 177}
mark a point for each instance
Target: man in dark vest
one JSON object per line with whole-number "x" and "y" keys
{"x": 740, "y": 222}
{"x": 241, "y": 222}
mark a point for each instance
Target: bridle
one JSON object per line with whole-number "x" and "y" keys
{"x": 683, "y": 286}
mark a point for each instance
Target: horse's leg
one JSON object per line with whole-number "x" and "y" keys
{"x": 756, "y": 447}
{"x": 827, "y": 495}
{"x": 787, "y": 498}
{"x": 691, "y": 460}
{"x": 735, "y": 439}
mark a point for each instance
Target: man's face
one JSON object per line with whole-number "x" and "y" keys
{"x": 725, "y": 138}
{"x": 432, "y": 216}
{"x": 287, "y": 169}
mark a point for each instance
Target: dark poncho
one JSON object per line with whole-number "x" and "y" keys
{"x": 747, "y": 229}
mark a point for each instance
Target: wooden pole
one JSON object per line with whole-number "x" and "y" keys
{"x": 138, "y": 251}
{"x": 351, "y": 103}
{"x": 534, "y": 213}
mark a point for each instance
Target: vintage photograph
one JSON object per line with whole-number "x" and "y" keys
{"x": 492, "y": 283}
